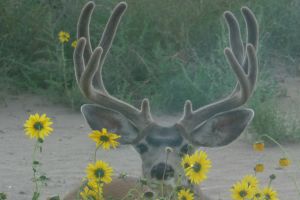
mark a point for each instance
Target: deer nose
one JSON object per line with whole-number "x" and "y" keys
{"x": 162, "y": 171}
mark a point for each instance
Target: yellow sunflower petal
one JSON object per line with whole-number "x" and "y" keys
{"x": 105, "y": 139}
{"x": 242, "y": 191}
{"x": 185, "y": 194}
{"x": 251, "y": 180}
{"x": 199, "y": 167}
{"x": 100, "y": 171}
{"x": 38, "y": 126}
{"x": 269, "y": 193}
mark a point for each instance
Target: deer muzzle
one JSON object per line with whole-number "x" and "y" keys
{"x": 162, "y": 171}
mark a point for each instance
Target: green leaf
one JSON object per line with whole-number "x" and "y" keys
{"x": 35, "y": 162}
{"x": 43, "y": 178}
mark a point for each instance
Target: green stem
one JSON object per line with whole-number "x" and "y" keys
{"x": 270, "y": 182}
{"x": 277, "y": 143}
{"x": 162, "y": 183}
{"x": 36, "y": 190}
{"x": 99, "y": 189}
{"x": 63, "y": 64}
{"x": 282, "y": 149}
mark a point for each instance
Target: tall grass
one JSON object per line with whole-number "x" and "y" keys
{"x": 169, "y": 50}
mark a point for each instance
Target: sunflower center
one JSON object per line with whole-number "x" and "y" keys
{"x": 186, "y": 165}
{"x": 257, "y": 195}
{"x": 243, "y": 193}
{"x": 268, "y": 197}
{"x": 38, "y": 126}
{"x": 99, "y": 173}
{"x": 197, "y": 167}
{"x": 104, "y": 138}
{"x": 183, "y": 198}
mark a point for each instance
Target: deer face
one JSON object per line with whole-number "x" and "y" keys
{"x": 162, "y": 148}
{"x": 213, "y": 125}
{"x": 159, "y": 151}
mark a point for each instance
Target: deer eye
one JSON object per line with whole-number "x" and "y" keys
{"x": 141, "y": 148}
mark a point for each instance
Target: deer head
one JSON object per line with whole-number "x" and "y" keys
{"x": 213, "y": 125}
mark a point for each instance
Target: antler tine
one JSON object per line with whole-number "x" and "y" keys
{"x": 239, "y": 62}
{"x": 83, "y": 30}
{"x": 111, "y": 28}
{"x": 85, "y": 75}
{"x": 252, "y": 27}
{"x": 106, "y": 38}
{"x": 235, "y": 38}
{"x": 252, "y": 31}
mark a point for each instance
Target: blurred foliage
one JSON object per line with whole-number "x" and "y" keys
{"x": 168, "y": 51}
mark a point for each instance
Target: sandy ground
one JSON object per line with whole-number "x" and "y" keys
{"x": 68, "y": 150}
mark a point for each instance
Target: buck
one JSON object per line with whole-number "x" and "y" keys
{"x": 213, "y": 125}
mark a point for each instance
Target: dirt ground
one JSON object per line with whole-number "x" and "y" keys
{"x": 68, "y": 150}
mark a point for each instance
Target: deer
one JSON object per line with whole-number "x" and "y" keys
{"x": 214, "y": 125}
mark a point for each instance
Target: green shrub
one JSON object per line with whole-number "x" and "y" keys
{"x": 270, "y": 121}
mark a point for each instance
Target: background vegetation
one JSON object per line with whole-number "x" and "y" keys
{"x": 167, "y": 50}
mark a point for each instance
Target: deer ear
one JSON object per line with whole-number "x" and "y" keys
{"x": 222, "y": 129}
{"x": 99, "y": 117}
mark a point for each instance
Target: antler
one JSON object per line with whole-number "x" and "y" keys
{"x": 91, "y": 85}
{"x": 243, "y": 61}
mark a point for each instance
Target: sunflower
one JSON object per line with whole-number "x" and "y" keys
{"x": 74, "y": 44}
{"x": 284, "y": 162}
{"x": 241, "y": 191}
{"x": 63, "y": 37}
{"x": 269, "y": 194}
{"x": 100, "y": 172}
{"x": 185, "y": 194}
{"x": 199, "y": 167}
{"x": 93, "y": 185}
{"x": 88, "y": 194}
{"x": 38, "y": 126}
{"x": 186, "y": 161}
{"x": 259, "y": 146}
{"x": 259, "y": 168}
{"x": 105, "y": 139}
{"x": 258, "y": 195}
{"x": 251, "y": 180}
{"x": 92, "y": 190}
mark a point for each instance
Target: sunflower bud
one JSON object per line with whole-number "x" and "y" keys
{"x": 259, "y": 168}
{"x": 284, "y": 162}
{"x": 259, "y": 146}
{"x": 272, "y": 176}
